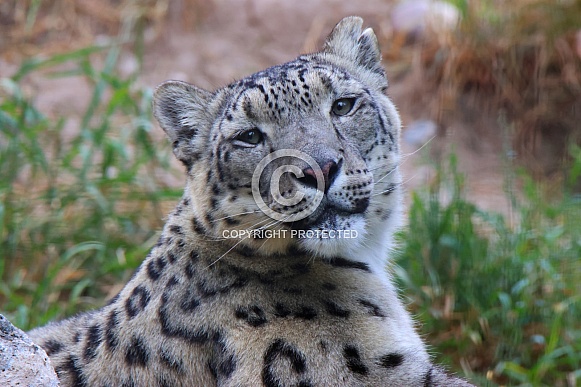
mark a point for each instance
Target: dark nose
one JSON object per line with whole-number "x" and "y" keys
{"x": 330, "y": 171}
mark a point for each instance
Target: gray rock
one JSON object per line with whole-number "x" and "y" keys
{"x": 419, "y": 132}
{"x": 417, "y": 16}
{"x": 23, "y": 363}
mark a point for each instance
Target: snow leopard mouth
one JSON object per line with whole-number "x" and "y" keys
{"x": 329, "y": 216}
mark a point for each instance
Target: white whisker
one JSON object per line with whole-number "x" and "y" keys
{"x": 242, "y": 213}
{"x": 407, "y": 155}
{"x": 267, "y": 226}
{"x": 230, "y": 249}
{"x": 387, "y": 174}
{"x": 395, "y": 186}
{"x": 404, "y": 158}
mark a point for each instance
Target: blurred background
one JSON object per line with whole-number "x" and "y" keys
{"x": 490, "y": 96}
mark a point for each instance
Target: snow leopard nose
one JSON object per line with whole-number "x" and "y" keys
{"x": 330, "y": 171}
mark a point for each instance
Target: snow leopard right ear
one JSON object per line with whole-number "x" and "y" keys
{"x": 348, "y": 42}
{"x": 182, "y": 111}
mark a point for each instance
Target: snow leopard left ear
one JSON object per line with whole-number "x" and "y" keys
{"x": 347, "y": 41}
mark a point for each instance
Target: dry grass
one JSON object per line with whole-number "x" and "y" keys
{"x": 515, "y": 58}
{"x": 33, "y": 27}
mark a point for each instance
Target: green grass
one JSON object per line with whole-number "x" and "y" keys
{"x": 72, "y": 208}
{"x": 502, "y": 300}
{"x": 499, "y": 301}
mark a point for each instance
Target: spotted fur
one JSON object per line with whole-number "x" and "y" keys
{"x": 207, "y": 310}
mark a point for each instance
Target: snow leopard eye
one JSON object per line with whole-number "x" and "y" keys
{"x": 252, "y": 136}
{"x": 343, "y": 106}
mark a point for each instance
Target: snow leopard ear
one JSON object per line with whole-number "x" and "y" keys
{"x": 182, "y": 111}
{"x": 347, "y": 41}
